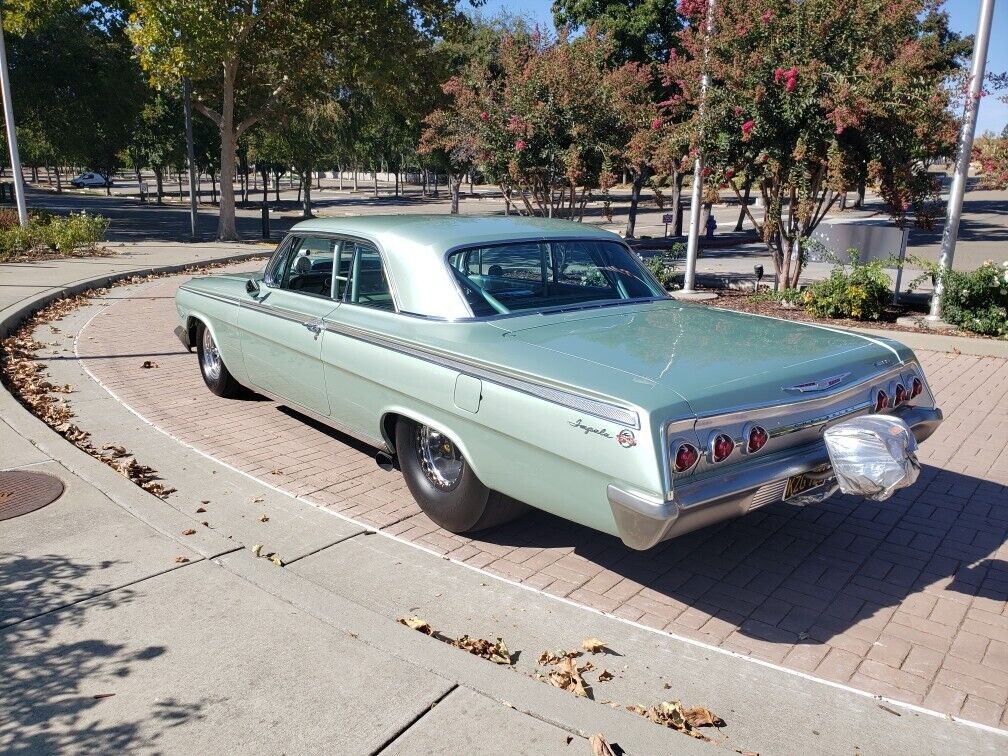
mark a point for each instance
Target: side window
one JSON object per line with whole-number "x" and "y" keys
{"x": 367, "y": 284}
{"x": 277, "y": 264}
{"x": 309, "y": 269}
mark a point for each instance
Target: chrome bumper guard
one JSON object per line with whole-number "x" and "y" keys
{"x": 644, "y": 520}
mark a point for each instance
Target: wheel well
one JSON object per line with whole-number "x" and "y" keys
{"x": 388, "y": 426}
{"x": 192, "y": 326}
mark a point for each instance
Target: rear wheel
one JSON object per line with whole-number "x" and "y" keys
{"x": 443, "y": 483}
{"x": 215, "y": 373}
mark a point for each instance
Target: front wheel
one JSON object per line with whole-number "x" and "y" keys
{"x": 443, "y": 483}
{"x": 215, "y": 373}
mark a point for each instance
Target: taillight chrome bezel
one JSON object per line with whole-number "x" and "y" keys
{"x": 880, "y": 399}
{"x": 900, "y": 394}
{"x": 712, "y": 444}
{"x": 747, "y": 432}
{"x": 673, "y": 452}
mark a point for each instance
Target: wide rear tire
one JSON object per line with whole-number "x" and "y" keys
{"x": 445, "y": 486}
{"x": 212, "y": 367}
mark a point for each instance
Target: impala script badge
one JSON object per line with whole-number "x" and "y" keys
{"x": 587, "y": 429}
{"x": 626, "y": 438}
{"x": 818, "y": 385}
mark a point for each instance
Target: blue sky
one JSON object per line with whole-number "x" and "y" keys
{"x": 963, "y": 13}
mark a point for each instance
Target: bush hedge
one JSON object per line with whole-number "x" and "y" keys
{"x": 48, "y": 233}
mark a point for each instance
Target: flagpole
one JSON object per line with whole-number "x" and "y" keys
{"x": 12, "y": 145}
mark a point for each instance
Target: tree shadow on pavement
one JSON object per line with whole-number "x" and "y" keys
{"x": 787, "y": 574}
{"x": 55, "y": 684}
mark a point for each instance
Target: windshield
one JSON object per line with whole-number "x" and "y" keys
{"x": 523, "y": 276}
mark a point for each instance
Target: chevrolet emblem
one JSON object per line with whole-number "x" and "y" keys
{"x": 822, "y": 384}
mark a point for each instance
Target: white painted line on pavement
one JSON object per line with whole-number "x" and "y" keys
{"x": 664, "y": 633}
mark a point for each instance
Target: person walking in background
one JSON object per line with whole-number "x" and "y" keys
{"x": 711, "y": 225}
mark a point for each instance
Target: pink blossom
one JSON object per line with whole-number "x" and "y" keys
{"x": 484, "y": 116}
{"x": 705, "y": 172}
{"x": 729, "y": 172}
{"x": 656, "y": 123}
{"x": 520, "y": 145}
{"x": 790, "y": 79}
{"x": 767, "y": 16}
{"x": 738, "y": 110}
{"x": 839, "y": 129}
{"x": 748, "y": 126}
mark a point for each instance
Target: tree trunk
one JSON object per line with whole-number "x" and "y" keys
{"x": 677, "y": 203}
{"x": 860, "y": 195}
{"x": 307, "y": 212}
{"x": 355, "y": 186}
{"x": 301, "y": 183}
{"x": 635, "y": 191}
{"x": 745, "y": 204}
{"x": 59, "y": 184}
{"x": 159, "y": 182}
{"x": 213, "y": 188}
{"x": 375, "y": 174}
{"x": 341, "y": 179}
{"x": 179, "y": 177}
{"x": 456, "y": 186}
{"x": 276, "y": 186}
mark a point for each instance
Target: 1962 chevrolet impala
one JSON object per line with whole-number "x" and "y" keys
{"x": 513, "y": 361}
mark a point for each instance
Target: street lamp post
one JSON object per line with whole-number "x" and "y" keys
{"x": 696, "y": 199}
{"x": 191, "y": 153}
{"x": 957, "y": 190}
{"x": 8, "y": 107}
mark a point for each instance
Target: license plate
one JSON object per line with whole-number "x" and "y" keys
{"x": 799, "y": 484}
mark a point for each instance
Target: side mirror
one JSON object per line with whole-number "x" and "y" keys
{"x": 252, "y": 286}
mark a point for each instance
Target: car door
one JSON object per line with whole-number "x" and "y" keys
{"x": 282, "y": 324}
{"x": 357, "y": 371}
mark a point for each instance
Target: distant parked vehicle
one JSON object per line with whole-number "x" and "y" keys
{"x": 91, "y": 179}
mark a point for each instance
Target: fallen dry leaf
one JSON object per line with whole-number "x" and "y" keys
{"x": 593, "y": 645}
{"x": 600, "y": 746}
{"x": 277, "y": 471}
{"x": 263, "y": 518}
{"x": 148, "y": 364}
{"x": 671, "y": 714}
{"x": 416, "y": 624}
{"x": 567, "y": 676}
{"x": 205, "y": 524}
{"x": 200, "y": 510}
{"x": 257, "y": 550}
{"x": 116, "y": 450}
{"x": 701, "y": 716}
{"x": 181, "y": 559}
{"x": 275, "y": 558}
{"x": 189, "y": 531}
{"x": 605, "y": 676}
{"x": 496, "y": 652}
{"x": 555, "y": 657}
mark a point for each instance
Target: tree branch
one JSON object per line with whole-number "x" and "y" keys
{"x": 210, "y": 113}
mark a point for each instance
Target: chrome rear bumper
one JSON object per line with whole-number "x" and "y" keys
{"x": 644, "y": 520}
{"x": 183, "y": 336}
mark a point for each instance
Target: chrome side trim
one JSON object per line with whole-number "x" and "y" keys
{"x": 605, "y": 410}
{"x": 208, "y": 295}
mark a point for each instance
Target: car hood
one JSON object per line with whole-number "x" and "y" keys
{"x": 715, "y": 359}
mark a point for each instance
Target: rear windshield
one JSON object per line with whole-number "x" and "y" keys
{"x": 505, "y": 278}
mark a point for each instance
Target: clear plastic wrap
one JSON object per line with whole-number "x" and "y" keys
{"x": 873, "y": 455}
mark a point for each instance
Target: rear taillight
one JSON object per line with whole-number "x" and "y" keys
{"x": 722, "y": 447}
{"x": 685, "y": 457}
{"x": 757, "y": 439}
{"x": 916, "y": 387}
{"x": 900, "y": 395}
{"x": 881, "y": 401}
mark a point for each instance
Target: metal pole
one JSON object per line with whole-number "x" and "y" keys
{"x": 8, "y": 106}
{"x": 958, "y": 188}
{"x": 693, "y": 241}
{"x": 191, "y": 150}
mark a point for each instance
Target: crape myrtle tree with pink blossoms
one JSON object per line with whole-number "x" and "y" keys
{"x": 809, "y": 99}
{"x": 547, "y": 119}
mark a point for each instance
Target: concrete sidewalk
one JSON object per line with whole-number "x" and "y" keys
{"x": 228, "y": 651}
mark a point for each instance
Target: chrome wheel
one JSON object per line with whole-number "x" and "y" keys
{"x": 210, "y": 359}
{"x": 439, "y": 458}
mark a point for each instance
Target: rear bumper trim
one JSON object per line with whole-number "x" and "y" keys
{"x": 644, "y": 520}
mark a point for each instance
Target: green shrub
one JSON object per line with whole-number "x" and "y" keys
{"x": 663, "y": 265}
{"x": 974, "y": 300}
{"x": 49, "y": 233}
{"x": 859, "y": 291}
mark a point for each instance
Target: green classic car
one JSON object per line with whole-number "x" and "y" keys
{"x": 506, "y": 362}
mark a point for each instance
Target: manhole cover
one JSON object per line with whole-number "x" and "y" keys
{"x": 22, "y": 492}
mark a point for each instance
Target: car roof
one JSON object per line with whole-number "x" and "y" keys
{"x": 438, "y": 233}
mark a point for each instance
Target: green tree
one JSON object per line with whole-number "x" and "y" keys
{"x": 810, "y": 99}
{"x": 158, "y": 139}
{"x": 251, "y": 59}
{"x": 644, "y": 31}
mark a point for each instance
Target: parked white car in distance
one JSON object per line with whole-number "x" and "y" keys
{"x": 91, "y": 178}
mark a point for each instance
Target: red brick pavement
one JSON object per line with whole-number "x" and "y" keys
{"x": 904, "y": 598}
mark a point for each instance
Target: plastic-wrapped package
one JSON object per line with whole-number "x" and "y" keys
{"x": 873, "y": 455}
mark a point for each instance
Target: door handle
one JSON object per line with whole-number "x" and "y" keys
{"x": 314, "y": 326}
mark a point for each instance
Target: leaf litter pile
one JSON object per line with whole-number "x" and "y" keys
{"x": 25, "y": 376}
{"x": 568, "y": 675}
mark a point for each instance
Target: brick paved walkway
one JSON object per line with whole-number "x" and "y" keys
{"x": 904, "y": 598}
